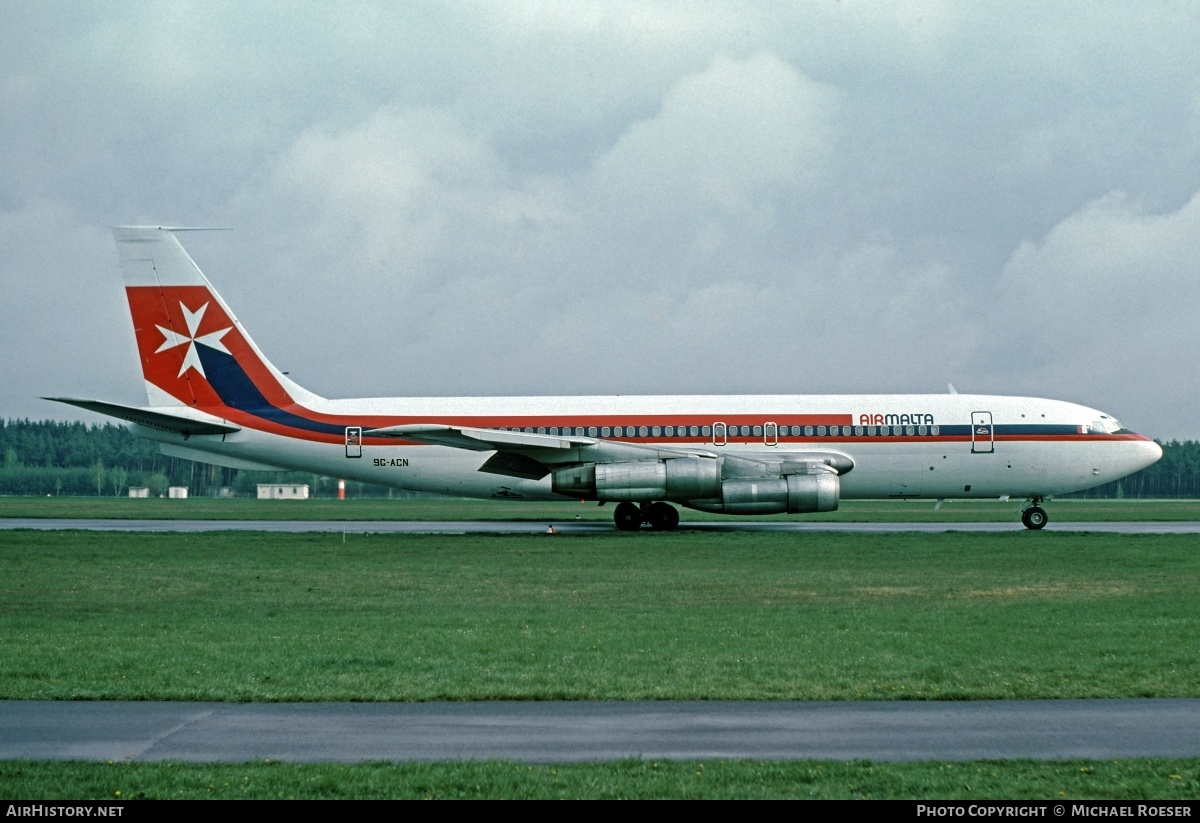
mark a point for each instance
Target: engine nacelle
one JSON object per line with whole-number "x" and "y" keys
{"x": 631, "y": 481}
{"x": 678, "y": 479}
{"x": 795, "y": 494}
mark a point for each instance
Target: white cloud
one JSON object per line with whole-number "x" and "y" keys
{"x": 396, "y": 193}
{"x": 1104, "y": 306}
{"x": 544, "y": 196}
{"x": 64, "y": 323}
{"x": 726, "y": 139}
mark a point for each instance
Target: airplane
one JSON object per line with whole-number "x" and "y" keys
{"x": 214, "y": 397}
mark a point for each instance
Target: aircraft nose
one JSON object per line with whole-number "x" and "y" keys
{"x": 1147, "y": 454}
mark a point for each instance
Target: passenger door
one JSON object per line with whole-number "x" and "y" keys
{"x": 354, "y": 441}
{"x": 983, "y": 437}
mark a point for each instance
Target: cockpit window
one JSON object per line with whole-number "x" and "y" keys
{"x": 1105, "y": 425}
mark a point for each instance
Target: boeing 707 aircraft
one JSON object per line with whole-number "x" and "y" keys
{"x": 213, "y": 397}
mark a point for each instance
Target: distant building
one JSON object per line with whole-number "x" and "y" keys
{"x": 282, "y": 491}
{"x": 139, "y": 491}
{"x": 179, "y": 492}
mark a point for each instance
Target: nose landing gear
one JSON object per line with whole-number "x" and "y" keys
{"x": 1034, "y": 517}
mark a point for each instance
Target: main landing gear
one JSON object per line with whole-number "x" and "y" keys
{"x": 1034, "y": 517}
{"x": 629, "y": 517}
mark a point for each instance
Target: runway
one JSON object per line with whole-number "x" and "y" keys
{"x": 563, "y": 732}
{"x": 570, "y": 526}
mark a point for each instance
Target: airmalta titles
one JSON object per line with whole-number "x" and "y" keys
{"x": 895, "y": 419}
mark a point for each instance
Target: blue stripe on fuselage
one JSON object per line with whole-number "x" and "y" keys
{"x": 236, "y": 390}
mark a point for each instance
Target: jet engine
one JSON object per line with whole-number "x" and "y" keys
{"x": 679, "y": 479}
{"x": 795, "y": 493}
{"x": 696, "y": 483}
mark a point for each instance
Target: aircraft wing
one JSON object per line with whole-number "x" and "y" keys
{"x": 531, "y": 456}
{"x": 518, "y": 454}
{"x": 168, "y": 418}
{"x": 481, "y": 440}
{"x": 557, "y": 449}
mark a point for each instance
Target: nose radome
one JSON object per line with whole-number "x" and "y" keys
{"x": 1149, "y": 453}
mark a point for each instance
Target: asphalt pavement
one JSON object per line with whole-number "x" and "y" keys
{"x": 569, "y": 526}
{"x": 594, "y": 731}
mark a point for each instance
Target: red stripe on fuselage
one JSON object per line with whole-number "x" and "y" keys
{"x": 249, "y": 420}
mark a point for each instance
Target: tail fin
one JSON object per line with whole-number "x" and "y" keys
{"x": 193, "y": 350}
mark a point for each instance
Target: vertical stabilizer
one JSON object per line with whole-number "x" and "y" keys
{"x": 192, "y": 348}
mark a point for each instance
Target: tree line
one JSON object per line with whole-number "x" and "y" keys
{"x": 1177, "y": 474}
{"x": 42, "y": 457}
{"x": 50, "y": 457}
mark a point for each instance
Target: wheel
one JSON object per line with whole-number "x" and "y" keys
{"x": 663, "y": 517}
{"x": 1034, "y": 517}
{"x": 628, "y": 517}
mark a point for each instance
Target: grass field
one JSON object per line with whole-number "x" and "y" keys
{"x": 1022, "y": 779}
{"x": 259, "y": 616}
{"x": 954, "y": 511}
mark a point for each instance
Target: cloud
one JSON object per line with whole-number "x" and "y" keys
{"x": 545, "y": 197}
{"x": 399, "y": 188}
{"x": 726, "y": 139}
{"x": 62, "y": 304}
{"x": 1104, "y": 306}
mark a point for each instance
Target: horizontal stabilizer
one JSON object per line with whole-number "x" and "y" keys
{"x": 167, "y": 420}
{"x": 463, "y": 437}
{"x": 212, "y": 458}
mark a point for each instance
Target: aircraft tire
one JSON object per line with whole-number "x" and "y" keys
{"x": 1034, "y": 517}
{"x": 628, "y": 517}
{"x": 663, "y": 517}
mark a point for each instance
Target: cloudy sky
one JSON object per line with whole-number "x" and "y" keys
{"x": 518, "y": 198}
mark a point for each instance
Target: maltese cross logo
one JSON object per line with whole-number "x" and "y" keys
{"x": 191, "y": 360}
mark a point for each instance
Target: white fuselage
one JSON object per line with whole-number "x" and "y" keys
{"x": 902, "y": 446}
